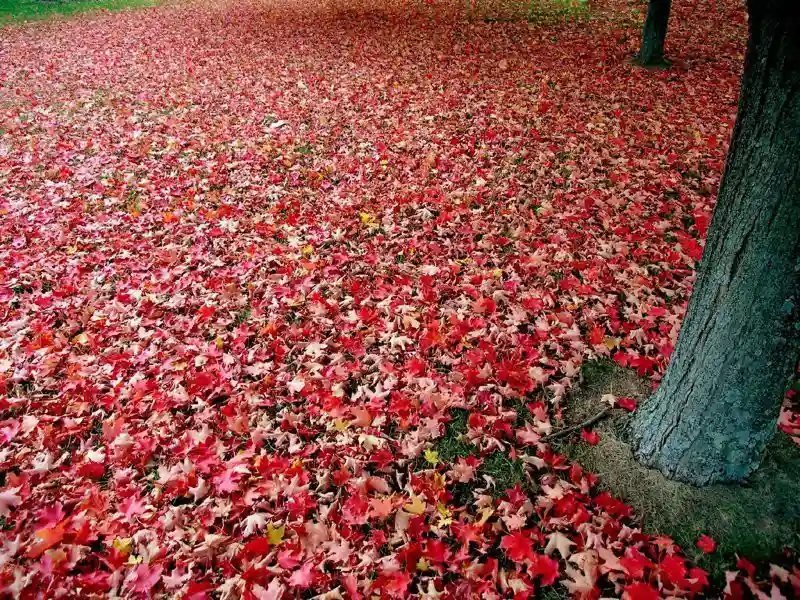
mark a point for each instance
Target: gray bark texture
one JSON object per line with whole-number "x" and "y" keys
{"x": 719, "y": 401}
{"x": 654, "y": 33}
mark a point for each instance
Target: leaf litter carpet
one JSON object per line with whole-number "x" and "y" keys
{"x": 291, "y": 293}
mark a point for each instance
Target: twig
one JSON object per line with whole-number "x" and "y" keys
{"x": 567, "y": 430}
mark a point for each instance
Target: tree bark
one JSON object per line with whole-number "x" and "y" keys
{"x": 718, "y": 404}
{"x": 654, "y": 33}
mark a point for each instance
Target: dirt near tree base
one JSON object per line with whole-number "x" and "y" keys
{"x": 759, "y": 519}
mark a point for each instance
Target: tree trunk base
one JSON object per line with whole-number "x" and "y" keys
{"x": 654, "y": 32}
{"x": 700, "y": 447}
{"x": 739, "y": 345}
{"x": 757, "y": 520}
{"x": 651, "y": 63}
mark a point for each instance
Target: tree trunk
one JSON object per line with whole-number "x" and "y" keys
{"x": 654, "y": 33}
{"x": 718, "y": 404}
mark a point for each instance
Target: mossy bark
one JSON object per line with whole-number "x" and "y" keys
{"x": 717, "y": 407}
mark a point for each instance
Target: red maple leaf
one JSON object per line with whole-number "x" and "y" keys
{"x": 706, "y": 544}
{"x": 201, "y": 381}
{"x": 673, "y": 567}
{"x": 640, "y": 591}
{"x": 546, "y": 568}
{"x": 590, "y": 437}
{"x": 394, "y": 583}
{"x": 745, "y": 565}
{"x": 468, "y": 532}
{"x": 635, "y": 563}
{"x": 91, "y": 470}
{"x": 258, "y": 546}
{"x": 355, "y": 509}
{"x": 518, "y": 546}
{"x": 198, "y": 590}
{"x": 514, "y": 373}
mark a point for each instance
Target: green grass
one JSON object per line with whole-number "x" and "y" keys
{"x": 533, "y": 11}
{"x": 553, "y": 592}
{"x": 595, "y": 372}
{"x": 452, "y": 445}
{"x": 28, "y": 10}
{"x": 505, "y": 472}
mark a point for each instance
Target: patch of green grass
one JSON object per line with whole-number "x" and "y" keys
{"x": 596, "y": 372}
{"x": 458, "y": 424}
{"x": 452, "y": 445}
{"x": 28, "y": 10}
{"x": 538, "y": 11}
{"x": 451, "y": 448}
{"x": 553, "y": 592}
{"x": 523, "y": 413}
{"x": 241, "y": 317}
{"x": 505, "y": 472}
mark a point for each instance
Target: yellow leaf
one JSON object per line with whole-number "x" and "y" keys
{"x": 275, "y": 534}
{"x": 307, "y": 250}
{"x": 612, "y": 342}
{"x": 415, "y": 507}
{"x": 56, "y": 555}
{"x": 432, "y": 456}
{"x": 422, "y": 565}
{"x": 497, "y": 273}
{"x": 485, "y": 514}
{"x": 134, "y": 560}
{"x": 82, "y": 339}
{"x": 443, "y": 510}
{"x": 368, "y": 220}
{"x": 443, "y": 522}
{"x": 219, "y": 343}
{"x": 123, "y": 545}
{"x": 340, "y": 425}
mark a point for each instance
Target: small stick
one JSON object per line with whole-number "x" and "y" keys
{"x": 568, "y": 430}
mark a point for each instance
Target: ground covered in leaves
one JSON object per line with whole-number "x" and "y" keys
{"x": 292, "y": 292}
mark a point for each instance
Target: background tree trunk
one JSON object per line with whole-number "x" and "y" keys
{"x": 718, "y": 404}
{"x": 654, "y": 33}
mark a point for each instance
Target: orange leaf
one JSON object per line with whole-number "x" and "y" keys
{"x": 362, "y": 417}
{"x": 47, "y": 538}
